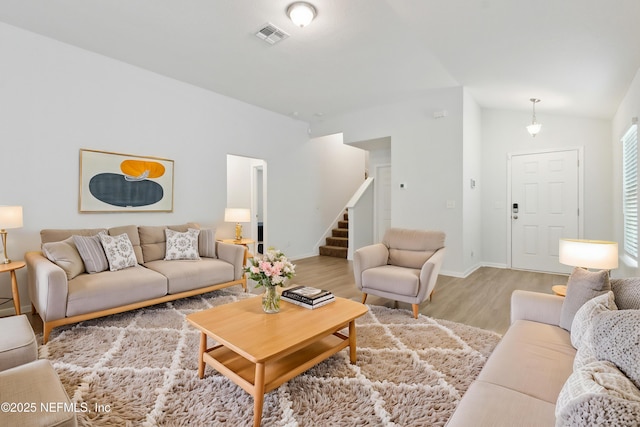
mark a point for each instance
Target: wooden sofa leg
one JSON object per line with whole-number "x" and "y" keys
{"x": 33, "y": 309}
{"x": 364, "y": 298}
{"x": 46, "y": 330}
{"x": 415, "y": 310}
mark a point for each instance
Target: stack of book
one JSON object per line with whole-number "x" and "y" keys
{"x": 308, "y": 297}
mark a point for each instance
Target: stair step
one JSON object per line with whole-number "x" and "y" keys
{"x": 343, "y": 224}
{"x": 342, "y": 242}
{"x": 340, "y": 232}
{"x": 334, "y": 251}
{"x": 345, "y": 216}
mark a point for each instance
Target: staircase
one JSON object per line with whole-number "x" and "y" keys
{"x": 338, "y": 244}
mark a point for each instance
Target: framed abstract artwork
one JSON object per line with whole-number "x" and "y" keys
{"x": 114, "y": 182}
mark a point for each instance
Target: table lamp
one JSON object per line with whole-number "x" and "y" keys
{"x": 237, "y": 215}
{"x": 597, "y": 254}
{"x": 10, "y": 217}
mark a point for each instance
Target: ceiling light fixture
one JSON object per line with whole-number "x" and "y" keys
{"x": 534, "y": 127}
{"x": 301, "y": 13}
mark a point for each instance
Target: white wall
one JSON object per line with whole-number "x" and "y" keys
{"x": 56, "y": 99}
{"x": 627, "y": 110}
{"x": 504, "y": 132}
{"x": 472, "y": 197}
{"x": 426, "y": 155}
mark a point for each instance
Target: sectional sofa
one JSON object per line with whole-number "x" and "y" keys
{"x": 542, "y": 374}
{"x": 83, "y": 274}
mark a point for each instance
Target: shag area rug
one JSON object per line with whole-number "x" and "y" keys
{"x": 140, "y": 369}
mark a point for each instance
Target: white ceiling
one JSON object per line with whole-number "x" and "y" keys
{"x": 578, "y": 56}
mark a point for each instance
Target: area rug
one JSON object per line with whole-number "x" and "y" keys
{"x": 140, "y": 369}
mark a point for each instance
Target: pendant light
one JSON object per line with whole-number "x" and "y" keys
{"x": 534, "y": 127}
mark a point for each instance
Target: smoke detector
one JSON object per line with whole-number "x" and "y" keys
{"x": 271, "y": 34}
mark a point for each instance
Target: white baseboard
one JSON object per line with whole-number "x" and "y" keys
{"x": 10, "y": 311}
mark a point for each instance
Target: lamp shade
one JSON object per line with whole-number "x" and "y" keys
{"x": 237, "y": 215}
{"x": 10, "y": 217}
{"x": 597, "y": 254}
{"x": 534, "y": 129}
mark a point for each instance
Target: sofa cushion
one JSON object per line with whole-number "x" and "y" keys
{"x": 598, "y": 394}
{"x": 17, "y": 342}
{"x": 119, "y": 251}
{"x": 405, "y": 280}
{"x": 187, "y": 275}
{"x": 56, "y": 235}
{"x": 412, "y": 248}
{"x": 486, "y": 404}
{"x": 65, "y": 255}
{"x": 616, "y": 338}
{"x": 532, "y": 358}
{"x": 108, "y": 289}
{"x": 92, "y": 253}
{"x": 153, "y": 239}
{"x": 207, "y": 243}
{"x": 134, "y": 238}
{"x": 627, "y": 292}
{"x": 582, "y": 322}
{"x": 581, "y": 287}
{"x": 182, "y": 245}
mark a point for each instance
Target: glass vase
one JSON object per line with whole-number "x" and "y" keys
{"x": 270, "y": 300}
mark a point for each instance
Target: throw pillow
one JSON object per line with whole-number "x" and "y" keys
{"x": 616, "y": 338}
{"x": 627, "y": 292}
{"x": 598, "y": 394}
{"x": 91, "y": 252}
{"x": 65, "y": 255}
{"x": 182, "y": 245}
{"x": 119, "y": 251}
{"x": 582, "y": 286}
{"x": 207, "y": 243}
{"x": 583, "y": 320}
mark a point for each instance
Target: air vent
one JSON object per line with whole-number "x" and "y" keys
{"x": 271, "y": 34}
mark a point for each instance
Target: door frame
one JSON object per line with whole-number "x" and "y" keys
{"x": 580, "y": 151}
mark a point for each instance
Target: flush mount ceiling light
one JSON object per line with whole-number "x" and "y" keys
{"x": 301, "y": 13}
{"x": 534, "y": 127}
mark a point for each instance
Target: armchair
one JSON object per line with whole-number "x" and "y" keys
{"x": 404, "y": 267}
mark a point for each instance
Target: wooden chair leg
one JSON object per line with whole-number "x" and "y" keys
{"x": 364, "y": 298}
{"x": 415, "y": 310}
{"x": 431, "y": 295}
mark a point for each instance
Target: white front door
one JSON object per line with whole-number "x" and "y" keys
{"x": 544, "y": 208}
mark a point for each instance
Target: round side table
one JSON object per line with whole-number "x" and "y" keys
{"x": 560, "y": 290}
{"x": 11, "y": 268}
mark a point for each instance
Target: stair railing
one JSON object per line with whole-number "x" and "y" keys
{"x": 360, "y": 210}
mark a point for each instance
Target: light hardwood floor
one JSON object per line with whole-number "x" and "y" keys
{"x": 482, "y": 299}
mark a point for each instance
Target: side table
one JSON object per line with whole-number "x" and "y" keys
{"x": 11, "y": 268}
{"x": 560, "y": 290}
{"x": 243, "y": 242}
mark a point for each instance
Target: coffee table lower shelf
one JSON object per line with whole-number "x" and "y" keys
{"x": 276, "y": 372}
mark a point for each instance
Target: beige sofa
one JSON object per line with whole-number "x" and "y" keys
{"x": 533, "y": 377}
{"x": 62, "y": 292}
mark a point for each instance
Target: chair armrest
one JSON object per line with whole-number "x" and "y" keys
{"x": 368, "y": 257}
{"x": 234, "y": 255}
{"x": 429, "y": 274}
{"x": 48, "y": 286}
{"x": 536, "y": 306}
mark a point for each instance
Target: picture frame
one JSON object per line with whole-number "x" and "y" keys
{"x": 117, "y": 182}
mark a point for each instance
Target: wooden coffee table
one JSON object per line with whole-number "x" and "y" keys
{"x": 260, "y": 351}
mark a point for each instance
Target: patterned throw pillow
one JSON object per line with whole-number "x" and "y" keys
{"x": 65, "y": 255}
{"x": 207, "y": 243}
{"x": 182, "y": 245}
{"x": 583, "y": 320}
{"x": 92, "y": 253}
{"x": 582, "y": 286}
{"x": 119, "y": 251}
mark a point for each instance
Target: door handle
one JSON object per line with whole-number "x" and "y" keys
{"x": 515, "y": 217}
